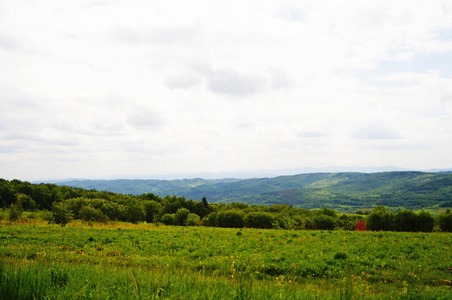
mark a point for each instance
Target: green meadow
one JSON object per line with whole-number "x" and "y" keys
{"x": 146, "y": 261}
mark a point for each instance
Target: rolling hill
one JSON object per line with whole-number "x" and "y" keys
{"x": 341, "y": 191}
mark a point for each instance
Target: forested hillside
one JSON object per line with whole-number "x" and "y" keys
{"x": 340, "y": 191}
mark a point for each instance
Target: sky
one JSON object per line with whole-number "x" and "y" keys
{"x": 113, "y": 89}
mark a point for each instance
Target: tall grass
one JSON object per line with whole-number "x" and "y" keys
{"x": 146, "y": 262}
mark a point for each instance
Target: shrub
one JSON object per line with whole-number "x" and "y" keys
{"x": 379, "y": 219}
{"x": 61, "y": 214}
{"x": 361, "y": 226}
{"x": 324, "y": 222}
{"x": 167, "y": 219}
{"x": 153, "y": 209}
{"x": 230, "y": 219}
{"x": 15, "y": 211}
{"x": 425, "y": 222}
{"x": 193, "y": 220}
{"x": 445, "y": 221}
{"x": 260, "y": 220}
{"x": 180, "y": 218}
{"x": 211, "y": 219}
{"x": 89, "y": 213}
{"x": 405, "y": 220}
{"x": 135, "y": 212}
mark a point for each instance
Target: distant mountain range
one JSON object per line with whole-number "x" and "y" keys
{"x": 342, "y": 191}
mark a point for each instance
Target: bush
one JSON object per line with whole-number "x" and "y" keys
{"x": 379, "y": 219}
{"x": 324, "y": 222}
{"x": 405, "y": 220}
{"x": 135, "y": 212}
{"x": 89, "y": 213}
{"x": 211, "y": 219}
{"x": 180, "y": 218}
{"x": 15, "y": 211}
{"x": 445, "y": 221}
{"x": 153, "y": 209}
{"x": 425, "y": 222}
{"x": 61, "y": 214}
{"x": 193, "y": 220}
{"x": 260, "y": 220}
{"x": 230, "y": 219}
{"x": 167, "y": 219}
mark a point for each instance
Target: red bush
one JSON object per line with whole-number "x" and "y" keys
{"x": 361, "y": 226}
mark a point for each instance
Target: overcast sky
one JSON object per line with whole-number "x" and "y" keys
{"x": 102, "y": 89}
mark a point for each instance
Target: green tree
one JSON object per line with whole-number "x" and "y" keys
{"x": 135, "y": 212}
{"x": 405, "y": 220}
{"x": 180, "y": 218}
{"x": 61, "y": 214}
{"x": 15, "y": 211}
{"x": 193, "y": 220}
{"x": 167, "y": 219}
{"x": 260, "y": 220}
{"x": 325, "y": 222}
{"x": 230, "y": 219}
{"x": 153, "y": 210}
{"x": 379, "y": 219}
{"x": 89, "y": 214}
{"x": 425, "y": 222}
{"x": 445, "y": 221}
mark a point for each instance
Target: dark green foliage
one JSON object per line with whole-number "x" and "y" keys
{"x": 15, "y": 211}
{"x": 379, "y": 219}
{"x": 180, "y": 218}
{"x": 61, "y": 214}
{"x": 193, "y": 220}
{"x": 445, "y": 221}
{"x": 135, "y": 212}
{"x": 89, "y": 213}
{"x": 324, "y": 222}
{"x": 425, "y": 222}
{"x": 230, "y": 219}
{"x": 153, "y": 209}
{"x": 260, "y": 220}
{"x": 167, "y": 219}
{"x": 405, "y": 220}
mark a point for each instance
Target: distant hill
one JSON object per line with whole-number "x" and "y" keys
{"x": 341, "y": 191}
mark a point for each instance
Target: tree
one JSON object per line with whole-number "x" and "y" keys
{"x": 405, "y": 220}
{"x": 425, "y": 222}
{"x": 61, "y": 214}
{"x": 180, "y": 218}
{"x": 135, "y": 212}
{"x": 193, "y": 220}
{"x": 167, "y": 219}
{"x": 89, "y": 214}
{"x": 260, "y": 220}
{"x": 325, "y": 222}
{"x": 230, "y": 219}
{"x": 445, "y": 221}
{"x": 15, "y": 211}
{"x": 204, "y": 202}
{"x": 153, "y": 209}
{"x": 379, "y": 219}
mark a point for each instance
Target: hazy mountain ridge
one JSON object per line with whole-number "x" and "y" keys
{"x": 404, "y": 189}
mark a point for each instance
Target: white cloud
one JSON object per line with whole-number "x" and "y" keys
{"x": 152, "y": 87}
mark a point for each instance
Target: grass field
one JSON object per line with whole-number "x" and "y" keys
{"x": 119, "y": 261}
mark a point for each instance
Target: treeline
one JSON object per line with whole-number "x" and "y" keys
{"x": 380, "y": 219}
{"x": 64, "y": 203}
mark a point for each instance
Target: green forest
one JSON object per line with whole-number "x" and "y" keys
{"x": 60, "y": 204}
{"x": 343, "y": 192}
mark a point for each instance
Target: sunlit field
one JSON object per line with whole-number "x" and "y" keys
{"x": 168, "y": 262}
